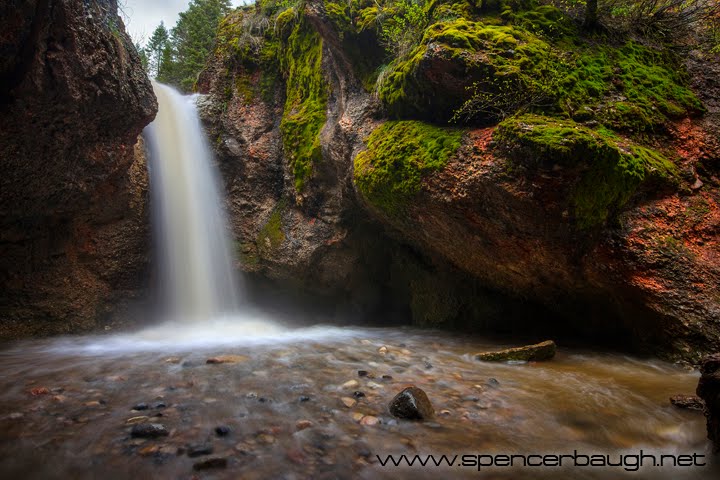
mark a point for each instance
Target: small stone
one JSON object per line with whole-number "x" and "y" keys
{"x": 266, "y": 439}
{"x": 141, "y": 406}
{"x": 387, "y": 378}
{"x": 369, "y": 420}
{"x": 134, "y": 420}
{"x": 411, "y": 404}
{"x": 39, "y": 391}
{"x": 492, "y": 383}
{"x": 173, "y": 360}
{"x": 348, "y": 402}
{"x": 200, "y": 449}
{"x": 92, "y": 403}
{"x": 362, "y": 373}
{"x": 445, "y": 412}
{"x": 374, "y": 386}
{"x": 304, "y": 398}
{"x": 383, "y": 350}
{"x": 159, "y": 405}
{"x": 209, "y": 463}
{"x": 222, "y": 430}
{"x": 149, "y": 450}
{"x": 358, "y": 394}
{"x": 303, "y": 424}
{"x": 59, "y": 398}
{"x": 350, "y": 384}
{"x": 227, "y": 359}
{"x": 251, "y": 395}
{"x": 149, "y": 430}
{"x": 689, "y": 402}
{"x": 357, "y": 416}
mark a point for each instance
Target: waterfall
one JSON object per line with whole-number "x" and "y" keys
{"x": 196, "y": 274}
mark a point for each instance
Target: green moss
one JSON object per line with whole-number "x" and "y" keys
{"x": 271, "y": 235}
{"x": 398, "y": 156}
{"x": 306, "y": 100}
{"x": 610, "y": 173}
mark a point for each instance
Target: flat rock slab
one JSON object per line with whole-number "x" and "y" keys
{"x": 412, "y": 404}
{"x": 541, "y": 351}
{"x": 688, "y": 402}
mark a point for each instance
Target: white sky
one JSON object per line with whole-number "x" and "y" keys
{"x": 142, "y": 16}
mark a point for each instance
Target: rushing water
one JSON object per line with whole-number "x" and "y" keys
{"x": 78, "y": 423}
{"x": 196, "y": 265}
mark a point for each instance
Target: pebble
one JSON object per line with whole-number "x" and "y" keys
{"x": 222, "y": 430}
{"x": 357, "y": 416}
{"x": 387, "y": 378}
{"x": 358, "y": 394}
{"x": 369, "y": 420}
{"x": 149, "y": 430}
{"x": 303, "y": 424}
{"x": 362, "y": 373}
{"x": 92, "y": 403}
{"x": 350, "y": 384}
{"x": 374, "y": 386}
{"x": 212, "y": 462}
{"x": 266, "y": 439}
{"x": 492, "y": 382}
{"x": 383, "y": 350}
{"x": 199, "y": 450}
{"x": 141, "y": 406}
{"x": 227, "y": 359}
{"x": 304, "y": 398}
{"x": 348, "y": 402}
{"x": 134, "y": 420}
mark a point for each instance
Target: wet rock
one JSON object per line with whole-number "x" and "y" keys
{"x": 199, "y": 449}
{"x": 266, "y": 439}
{"x": 369, "y": 420}
{"x": 303, "y": 424}
{"x": 709, "y": 390}
{"x": 159, "y": 405}
{"x": 688, "y": 402}
{"x": 350, "y": 384}
{"x": 227, "y": 359}
{"x": 358, "y": 394}
{"x": 357, "y": 416}
{"x": 387, "y": 378}
{"x": 39, "y": 391}
{"x": 492, "y": 383}
{"x": 222, "y": 431}
{"x": 411, "y": 404}
{"x": 141, "y": 406}
{"x": 303, "y": 398}
{"x": 383, "y": 350}
{"x": 541, "y": 351}
{"x": 134, "y": 420}
{"x": 149, "y": 430}
{"x": 362, "y": 373}
{"x": 348, "y": 402}
{"x": 209, "y": 463}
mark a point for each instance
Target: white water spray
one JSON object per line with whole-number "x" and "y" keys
{"x": 197, "y": 278}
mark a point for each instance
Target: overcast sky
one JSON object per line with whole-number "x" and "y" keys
{"x": 142, "y": 16}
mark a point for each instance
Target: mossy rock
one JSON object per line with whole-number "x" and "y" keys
{"x": 610, "y": 170}
{"x": 398, "y": 156}
{"x": 271, "y": 235}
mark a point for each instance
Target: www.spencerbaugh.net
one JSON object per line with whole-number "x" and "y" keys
{"x": 629, "y": 462}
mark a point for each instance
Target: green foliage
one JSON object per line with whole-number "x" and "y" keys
{"x": 155, "y": 48}
{"x": 611, "y": 172}
{"x": 271, "y": 235}
{"x": 191, "y": 42}
{"x": 306, "y": 100}
{"x": 398, "y": 155}
{"x": 403, "y": 26}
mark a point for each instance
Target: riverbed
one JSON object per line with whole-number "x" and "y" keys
{"x": 256, "y": 400}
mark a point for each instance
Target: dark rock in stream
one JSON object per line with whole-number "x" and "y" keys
{"x": 688, "y": 402}
{"x": 212, "y": 462}
{"x": 199, "y": 449}
{"x": 541, "y": 351}
{"x": 222, "y": 430}
{"x": 140, "y": 406}
{"x": 149, "y": 430}
{"x": 412, "y": 404}
{"x": 709, "y": 390}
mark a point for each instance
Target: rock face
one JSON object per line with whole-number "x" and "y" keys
{"x": 73, "y": 100}
{"x": 688, "y": 402}
{"x": 709, "y": 390}
{"x": 530, "y": 353}
{"x": 412, "y": 404}
{"x": 571, "y": 225}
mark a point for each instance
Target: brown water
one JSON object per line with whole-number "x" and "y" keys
{"x": 590, "y": 402}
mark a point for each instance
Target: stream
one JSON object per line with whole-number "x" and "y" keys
{"x": 278, "y": 402}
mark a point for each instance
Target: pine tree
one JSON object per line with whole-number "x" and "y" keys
{"x": 155, "y": 50}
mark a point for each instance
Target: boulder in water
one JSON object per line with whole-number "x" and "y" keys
{"x": 688, "y": 402}
{"x": 540, "y": 351}
{"x": 709, "y": 390}
{"x": 149, "y": 430}
{"x": 412, "y": 404}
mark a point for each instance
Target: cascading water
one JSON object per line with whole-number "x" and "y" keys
{"x": 197, "y": 278}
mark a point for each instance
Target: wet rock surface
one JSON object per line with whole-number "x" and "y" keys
{"x": 529, "y": 353}
{"x": 73, "y": 100}
{"x": 412, "y": 404}
{"x": 709, "y": 390}
{"x": 580, "y": 399}
{"x": 688, "y": 402}
{"x": 149, "y": 430}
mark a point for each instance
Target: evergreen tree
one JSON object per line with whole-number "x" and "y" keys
{"x": 155, "y": 49}
{"x": 191, "y": 42}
